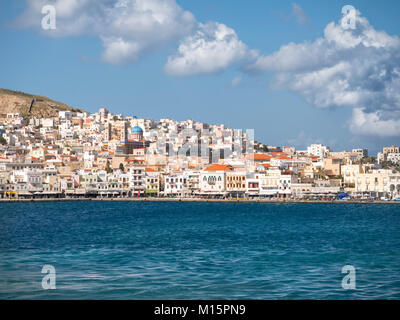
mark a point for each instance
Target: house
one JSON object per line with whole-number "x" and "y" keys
{"x": 152, "y": 182}
{"x": 213, "y": 180}
{"x": 236, "y": 183}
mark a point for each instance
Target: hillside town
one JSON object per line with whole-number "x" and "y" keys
{"x": 107, "y": 156}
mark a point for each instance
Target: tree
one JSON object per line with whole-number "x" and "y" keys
{"x": 258, "y": 146}
{"x": 365, "y": 160}
{"x": 121, "y": 167}
{"x": 339, "y": 177}
{"x": 390, "y": 165}
{"x": 108, "y": 168}
{"x": 2, "y": 140}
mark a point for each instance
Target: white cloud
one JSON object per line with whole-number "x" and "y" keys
{"x": 118, "y": 50}
{"x": 211, "y": 49}
{"x": 127, "y": 28}
{"x": 74, "y": 17}
{"x": 372, "y": 124}
{"x": 357, "y": 68}
{"x": 299, "y": 14}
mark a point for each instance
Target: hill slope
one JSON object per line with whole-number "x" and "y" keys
{"x": 20, "y": 102}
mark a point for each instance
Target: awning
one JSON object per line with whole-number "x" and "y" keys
{"x": 24, "y": 193}
{"x": 151, "y": 191}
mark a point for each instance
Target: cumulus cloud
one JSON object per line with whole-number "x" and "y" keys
{"x": 357, "y": 68}
{"x": 211, "y": 49}
{"x": 373, "y": 124}
{"x": 129, "y": 29}
{"x": 118, "y": 50}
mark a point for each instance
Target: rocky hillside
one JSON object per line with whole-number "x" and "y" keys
{"x": 30, "y": 105}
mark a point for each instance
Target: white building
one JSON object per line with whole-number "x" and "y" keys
{"x": 361, "y": 153}
{"x": 137, "y": 180}
{"x": 152, "y": 182}
{"x": 65, "y": 115}
{"x": 213, "y": 180}
{"x": 318, "y": 150}
{"x": 394, "y": 157}
{"x": 285, "y": 185}
{"x": 176, "y": 184}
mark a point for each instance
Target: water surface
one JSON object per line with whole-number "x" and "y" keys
{"x": 156, "y": 250}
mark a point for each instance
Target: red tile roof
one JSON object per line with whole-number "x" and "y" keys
{"x": 219, "y": 167}
{"x": 258, "y": 157}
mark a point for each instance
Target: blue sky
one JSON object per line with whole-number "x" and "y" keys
{"x": 71, "y": 68}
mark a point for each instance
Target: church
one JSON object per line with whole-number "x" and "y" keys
{"x": 135, "y": 140}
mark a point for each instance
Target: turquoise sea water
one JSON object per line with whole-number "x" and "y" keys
{"x": 155, "y": 250}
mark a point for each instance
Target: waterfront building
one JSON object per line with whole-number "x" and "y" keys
{"x": 270, "y": 183}
{"x": 301, "y": 190}
{"x": 350, "y": 172}
{"x": 137, "y": 180}
{"x": 236, "y": 186}
{"x": 193, "y": 180}
{"x": 176, "y": 184}
{"x": 152, "y": 181}
{"x": 379, "y": 183}
{"x": 88, "y": 183}
{"x": 213, "y": 180}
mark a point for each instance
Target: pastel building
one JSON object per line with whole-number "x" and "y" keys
{"x": 378, "y": 184}
{"x": 213, "y": 179}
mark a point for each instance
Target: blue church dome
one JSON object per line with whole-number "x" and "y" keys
{"x": 137, "y": 129}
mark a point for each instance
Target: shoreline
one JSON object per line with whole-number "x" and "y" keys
{"x": 198, "y": 200}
